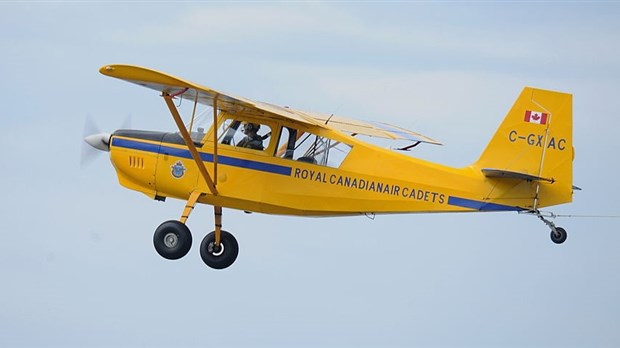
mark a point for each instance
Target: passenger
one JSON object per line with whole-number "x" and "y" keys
{"x": 251, "y": 139}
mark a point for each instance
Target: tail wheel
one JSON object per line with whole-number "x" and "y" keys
{"x": 172, "y": 240}
{"x": 559, "y": 235}
{"x": 222, "y": 256}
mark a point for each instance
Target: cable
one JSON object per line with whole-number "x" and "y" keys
{"x": 586, "y": 216}
{"x": 551, "y": 215}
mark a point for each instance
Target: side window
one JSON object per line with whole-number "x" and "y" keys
{"x": 311, "y": 148}
{"x": 244, "y": 133}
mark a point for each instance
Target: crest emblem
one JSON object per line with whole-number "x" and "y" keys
{"x": 178, "y": 170}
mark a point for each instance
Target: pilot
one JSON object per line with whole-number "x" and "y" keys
{"x": 251, "y": 139}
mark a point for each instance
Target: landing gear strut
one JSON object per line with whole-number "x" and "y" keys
{"x": 219, "y": 248}
{"x": 558, "y": 234}
{"x": 173, "y": 239}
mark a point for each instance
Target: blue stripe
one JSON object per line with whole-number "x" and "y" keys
{"x": 137, "y": 145}
{"x": 206, "y": 157}
{"x": 481, "y": 206}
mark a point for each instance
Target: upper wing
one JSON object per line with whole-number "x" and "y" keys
{"x": 374, "y": 129}
{"x": 175, "y": 86}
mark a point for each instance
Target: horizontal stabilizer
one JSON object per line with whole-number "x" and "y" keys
{"x": 505, "y": 174}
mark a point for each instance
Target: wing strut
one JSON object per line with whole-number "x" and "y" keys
{"x": 215, "y": 139}
{"x": 189, "y": 143}
{"x": 217, "y": 210}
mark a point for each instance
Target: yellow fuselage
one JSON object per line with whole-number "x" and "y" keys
{"x": 369, "y": 180}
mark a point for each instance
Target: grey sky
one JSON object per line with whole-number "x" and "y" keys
{"x": 78, "y": 266}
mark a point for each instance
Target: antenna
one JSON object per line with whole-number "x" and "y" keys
{"x": 332, "y": 115}
{"x": 329, "y": 118}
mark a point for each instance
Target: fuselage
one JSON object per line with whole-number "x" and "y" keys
{"x": 369, "y": 179}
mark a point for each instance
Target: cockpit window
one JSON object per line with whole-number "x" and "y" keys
{"x": 311, "y": 148}
{"x": 198, "y": 136}
{"x": 245, "y": 134}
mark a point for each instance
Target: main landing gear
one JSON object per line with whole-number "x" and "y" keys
{"x": 558, "y": 234}
{"x": 173, "y": 239}
{"x": 222, "y": 255}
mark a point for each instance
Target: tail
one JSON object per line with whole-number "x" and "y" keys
{"x": 531, "y": 154}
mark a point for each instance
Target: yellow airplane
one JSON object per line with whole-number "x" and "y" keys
{"x": 259, "y": 157}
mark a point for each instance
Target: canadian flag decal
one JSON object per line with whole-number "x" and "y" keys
{"x": 535, "y": 117}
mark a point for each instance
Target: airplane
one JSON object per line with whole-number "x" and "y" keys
{"x": 264, "y": 158}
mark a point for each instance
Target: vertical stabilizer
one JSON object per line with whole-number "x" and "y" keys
{"x": 536, "y": 139}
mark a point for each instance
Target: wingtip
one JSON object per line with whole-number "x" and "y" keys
{"x": 108, "y": 69}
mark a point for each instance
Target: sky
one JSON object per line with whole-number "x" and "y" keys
{"x": 78, "y": 267}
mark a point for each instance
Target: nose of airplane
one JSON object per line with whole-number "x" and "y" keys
{"x": 99, "y": 141}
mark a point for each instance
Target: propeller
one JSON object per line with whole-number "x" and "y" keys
{"x": 89, "y": 150}
{"x": 96, "y": 141}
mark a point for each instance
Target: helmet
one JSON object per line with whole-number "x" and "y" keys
{"x": 248, "y": 127}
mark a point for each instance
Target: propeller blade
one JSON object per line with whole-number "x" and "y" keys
{"x": 126, "y": 123}
{"x": 88, "y": 153}
{"x": 96, "y": 141}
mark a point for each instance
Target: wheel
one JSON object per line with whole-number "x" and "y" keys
{"x": 172, "y": 240}
{"x": 222, "y": 257}
{"x": 559, "y": 236}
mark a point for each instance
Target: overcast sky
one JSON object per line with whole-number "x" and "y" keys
{"x": 78, "y": 267}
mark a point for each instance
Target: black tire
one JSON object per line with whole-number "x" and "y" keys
{"x": 172, "y": 240}
{"x": 559, "y": 236}
{"x": 219, "y": 259}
